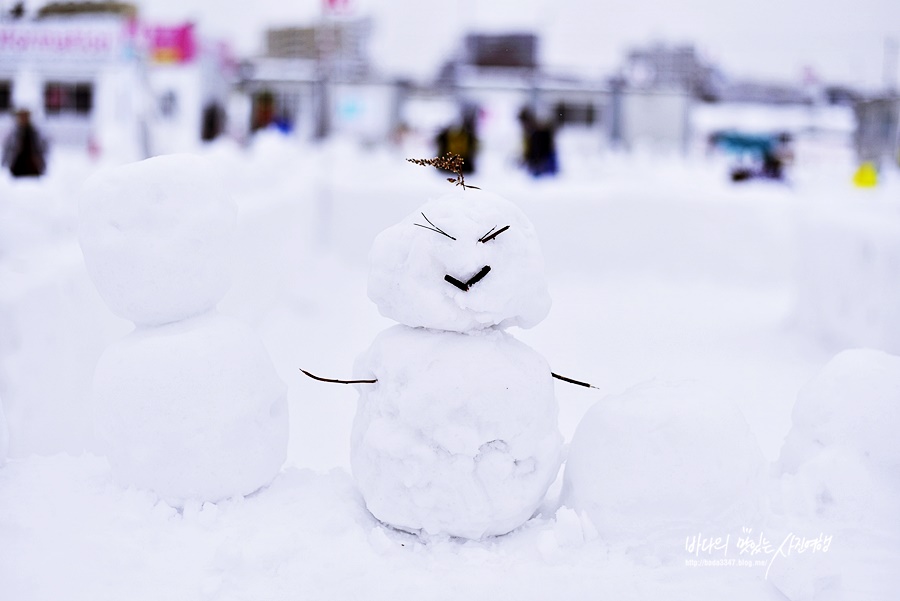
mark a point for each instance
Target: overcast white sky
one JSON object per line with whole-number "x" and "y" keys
{"x": 842, "y": 40}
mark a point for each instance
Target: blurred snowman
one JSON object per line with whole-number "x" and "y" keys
{"x": 187, "y": 405}
{"x": 456, "y": 430}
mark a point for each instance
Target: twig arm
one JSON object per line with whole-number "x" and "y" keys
{"x": 571, "y": 381}
{"x": 332, "y": 381}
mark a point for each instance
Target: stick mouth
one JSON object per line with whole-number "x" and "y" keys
{"x": 464, "y": 286}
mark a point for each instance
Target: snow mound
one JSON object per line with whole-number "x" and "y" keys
{"x": 662, "y": 462}
{"x": 841, "y": 457}
{"x": 191, "y": 410}
{"x": 459, "y": 436}
{"x": 411, "y": 261}
{"x": 157, "y": 237}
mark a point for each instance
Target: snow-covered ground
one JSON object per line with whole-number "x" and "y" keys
{"x": 662, "y": 275}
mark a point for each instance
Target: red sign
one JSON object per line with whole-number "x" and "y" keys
{"x": 171, "y": 45}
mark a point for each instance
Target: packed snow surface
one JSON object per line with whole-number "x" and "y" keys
{"x": 157, "y": 237}
{"x": 458, "y": 436}
{"x": 482, "y": 241}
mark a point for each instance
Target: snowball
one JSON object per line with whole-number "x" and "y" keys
{"x": 409, "y": 264}
{"x": 841, "y": 458}
{"x": 663, "y": 460}
{"x": 459, "y": 435}
{"x": 854, "y": 403}
{"x": 156, "y": 237}
{"x": 191, "y": 410}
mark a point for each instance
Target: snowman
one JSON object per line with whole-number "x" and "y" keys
{"x": 187, "y": 405}
{"x": 456, "y": 429}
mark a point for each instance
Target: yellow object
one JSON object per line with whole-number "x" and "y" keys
{"x": 866, "y": 176}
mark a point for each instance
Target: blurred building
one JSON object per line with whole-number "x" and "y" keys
{"x": 316, "y": 80}
{"x": 664, "y": 67}
{"x": 76, "y": 68}
{"x": 95, "y": 77}
{"x": 191, "y": 80}
{"x": 760, "y": 92}
{"x": 877, "y": 135}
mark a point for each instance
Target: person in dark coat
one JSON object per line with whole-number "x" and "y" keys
{"x": 539, "y": 146}
{"x": 24, "y": 150}
{"x": 461, "y": 139}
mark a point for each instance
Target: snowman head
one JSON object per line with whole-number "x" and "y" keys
{"x": 157, "y": 237}
{"x": 465, "y": 262}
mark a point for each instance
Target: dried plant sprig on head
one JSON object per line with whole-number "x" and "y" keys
{"x": 451, "y": 162}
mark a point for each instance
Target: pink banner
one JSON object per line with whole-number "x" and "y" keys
{"x": 171, "y": 44}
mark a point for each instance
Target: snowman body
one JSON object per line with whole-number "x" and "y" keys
{"x": 188, "y": 405}
{"x": 459, "y": 434}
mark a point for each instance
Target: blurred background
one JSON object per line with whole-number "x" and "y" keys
{"x": 715, "y": 184}
{"x": 139, "y": 79}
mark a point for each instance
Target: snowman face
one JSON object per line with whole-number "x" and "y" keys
{"x": 467, "y": 261}
{"x": 157, "y": 237}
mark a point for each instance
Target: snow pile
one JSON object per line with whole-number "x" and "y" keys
{"x": 663, "y": 462}
{"x": 848, "y": 266}
{"x": 189, "y": 404}
{"x": 157, "y": 237}
{"x": 452, "y": 236}
{"x": 459, "y": 434}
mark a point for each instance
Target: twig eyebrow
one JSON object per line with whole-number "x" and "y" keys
{"x": 433, "y": 227}
{"x": 490, "y": 236}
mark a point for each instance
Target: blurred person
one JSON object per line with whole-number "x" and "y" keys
{"x": 538, "y": 144}
{"x": 212, "y": 122}
{"x": 461, "y": 139}
{"x": 776, "y": 155}
{"x": 759, "y": 155}
{"x": 24, "y": 149}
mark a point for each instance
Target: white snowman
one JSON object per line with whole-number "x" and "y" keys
{"x": 456, "y": 431}
{"x": 189, "y": 404}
